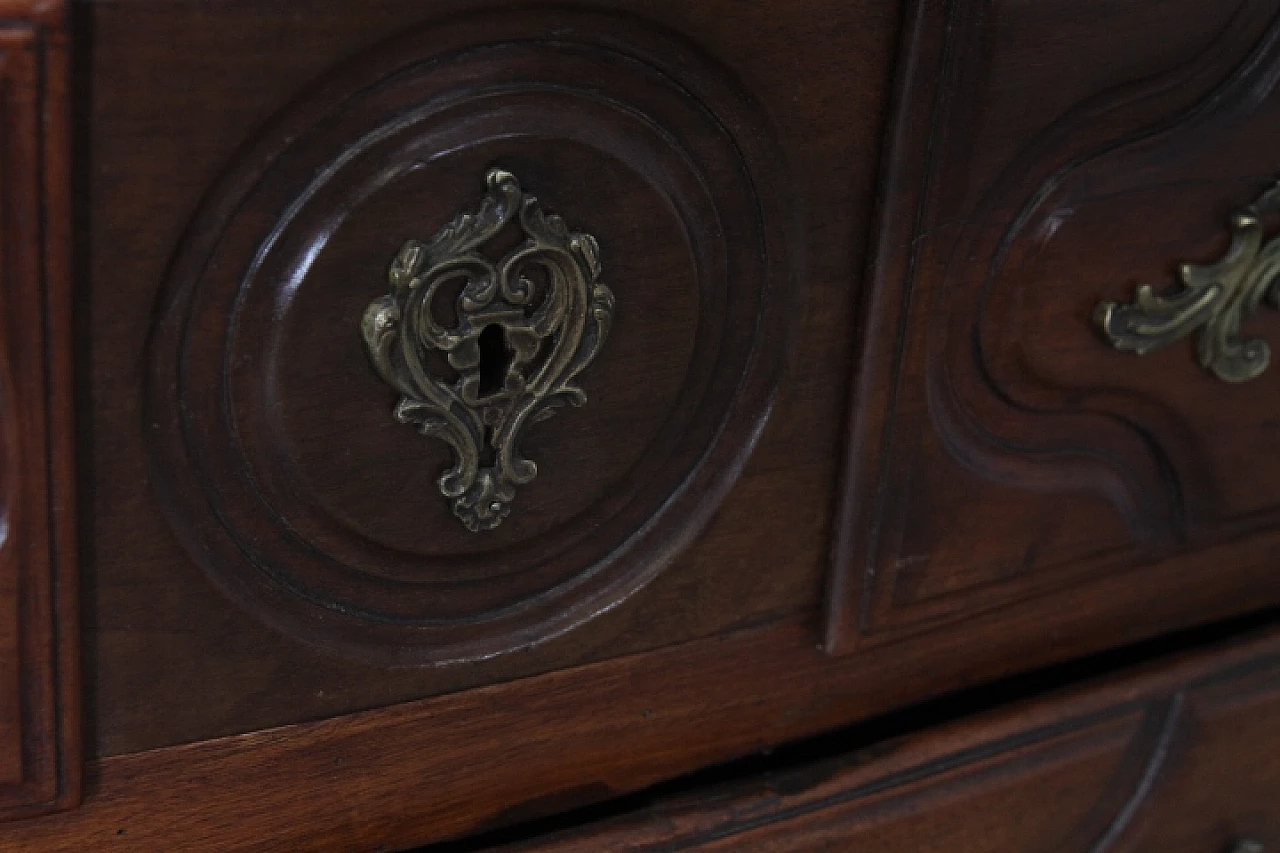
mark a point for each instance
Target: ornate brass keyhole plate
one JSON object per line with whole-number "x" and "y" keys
{"x": 274, "y": 418}
{"x": 1215, "y": 299}
{"x": 526, "y": 326}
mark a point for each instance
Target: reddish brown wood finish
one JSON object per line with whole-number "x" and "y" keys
{"x": 272, "y": 441}
{"x": 1001, "y": 450}
{"x": 156, "y": 621}
{"x": 213, "y": 730}
{"x": 1185, "y": 757}
{"x": 216, "y": 74}
{"x": 39, "y": 641}
{"x": 424, "y": 771}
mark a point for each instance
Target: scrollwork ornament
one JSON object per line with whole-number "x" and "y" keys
{"x": 542, "y": 300}
{"x": 1215, "y": 299}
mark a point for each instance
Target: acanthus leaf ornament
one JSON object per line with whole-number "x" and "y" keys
{"x": 526, "y": 326}
{"x": 1215, "y": 299}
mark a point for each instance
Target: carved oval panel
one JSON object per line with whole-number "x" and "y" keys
{"x": 273, "y": 438}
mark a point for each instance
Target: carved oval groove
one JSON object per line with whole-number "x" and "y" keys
{"x": 273, "y": 445}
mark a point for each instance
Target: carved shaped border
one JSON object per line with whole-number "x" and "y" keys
{"x": 947, "y": 383}
{"x": 968, "y": 400}
{"x": 1144, "y": 738}
{"x": 717, "y": 164}
{"x": 39, "y": 639}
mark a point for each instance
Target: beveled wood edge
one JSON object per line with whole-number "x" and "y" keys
{"x": 904, "y": 180}
{"x": 643, "y": 550}
{"x": 743, "y": 808}
{"x": 437, "y": 768}
{"x": 47, "y": 22}
{"x": 63, "y": 469}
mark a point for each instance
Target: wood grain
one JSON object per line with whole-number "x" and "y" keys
{"x": 216, "y": 75}
{"x": 1181, "y": 757}
{"x": 421, "y": 772}
{"x": 1000, "y": 451}
{"x": 273, "y": 446}
{"x": 212, "y": 730}
{"x": 39, "y": 639}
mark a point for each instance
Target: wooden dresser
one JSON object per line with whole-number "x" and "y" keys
{"x": 638, "y": 425}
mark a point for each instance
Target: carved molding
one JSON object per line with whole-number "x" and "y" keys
{"x": 940, "y": 359}
{"x": 978, "y": 416}
{"x": 40, "y": 758}
{"x": 1110, "y": 768}
{"x": 616, "y": 105}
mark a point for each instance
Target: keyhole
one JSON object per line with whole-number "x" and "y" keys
{"x": 488, "y": 455}
{"x": 495, "y": 358}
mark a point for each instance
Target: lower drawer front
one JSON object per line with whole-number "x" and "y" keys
{"x": 1184, "y": 757}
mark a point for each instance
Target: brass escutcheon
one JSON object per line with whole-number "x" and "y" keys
{"x": 1214, "y": 299}
{"x": 526, "y": 326}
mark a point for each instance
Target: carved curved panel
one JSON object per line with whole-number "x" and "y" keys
{"x": 1178, "y": 758}
{"x": 1200, "y": 751}
{"x": 272, "y": 436}
{"x": 1001, "y": 451}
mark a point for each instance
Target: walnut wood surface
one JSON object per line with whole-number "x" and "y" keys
{"x": 1000, "y": 449}
{"x": 275, "y": 454}
{"x": 215, "y": 75}
{"x": 1183, "y": 757}
{"x": 39, "y": 640}
{"x": 424, "y": 771}
{"x": 995, "y": 518}
{"x": 155, "y": 620}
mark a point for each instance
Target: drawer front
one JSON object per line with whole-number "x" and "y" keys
{"x": 348, "y": 506}
{"x": 461, "y": 350}
{"x": 1183, "y": 758}
{"x": 358, "y": 494}
{"x": 1010, "y": 446}
{"x": 448, "y": 373}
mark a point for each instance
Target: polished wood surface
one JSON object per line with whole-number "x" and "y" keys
{"x": 257, "y": 373}
{"x": 304, "y": 497}
{"x": 1182, "y": 757}
{"x": 855, "y": 441}
{"x": 581, "y": 736}
{"x": 216, "y": 74}
{"x": 1001, "y": 449}
{"x": 40, "y": 760}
